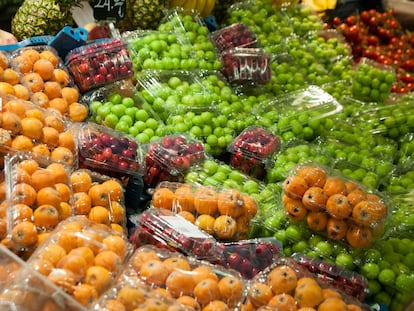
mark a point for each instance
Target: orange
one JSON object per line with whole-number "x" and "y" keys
{"x": 282, "y": 279}
{"x": 306, "y": 281}
{"x": 206, "y": 201}
{"x": 86, "y": 253}
{"x": 99, "y": 195}
{"x": 201, "y": 273}
{"x": 59, "y": 172}
{"x": 70, "y": 94}
{"x": 189, "y": 302}
{"x": 308, "y": 295}
{"x": 259, "y": 294}
{"x": 206, "y": 223}
{"x": 42, "y": 265}
{"x": 52, "y": 252}
{"x": 21, "y": 212}
{"x": 153, "y": 304}
{"x": 230, "y": 202}
{"x": 313, "y": 176}
{"x": 90, "y": 239}
{"x": 85, "y": 294}
{"x": 358, "y": 236}
{"x": 22, "y": 142}
{"x": 115, "y": 189}
{"x": 188, "y": 216}
{"x": 99, "y": 214}
{"x": 250, "y": 206}
{"x": 31, "y": 54}
{"x": 334, "y": 185}
{"x": 180, "y": 283}
{"x": 40, "y": 99}
{"x": 46, "y": 217}
{"x": 48, "y": 196}
{"x": 81, "y": 203}
{"x": 58, "y": 104}
{"x": 225, "y": 227}
{"x": 282, "y": 302}
{"x": 368, "y": 213}
{"x": 50, "y": 56}
{"x": 184, "y": 199}
{"x": 10, "y": 76}
{"x": 180, "y": 263}
{"x": 336, "y": 228}
{"x": 80, "y": 181}
{"x": 63, "y": 155}
{"x": 295, "y": 209}
{"x": 21, "y": 91}
{"x": 109, "y": 260}
{"x": 33, "y": 81}
{"x": 333, "y": 304}
{"x": 64, "y": 279}
{"x": 44, "y": 68}
{"x": 294, "y": 187}
{"x": 117, "y": 212}
{"x": 22, "y": 64}
{"x": 141, "y": 257}
{"x": 98, "y": 277}
{"x": 56, "y": 122}
{"x": 23, "y": 193}
{"x": 338, "y": 206}
{"x": 163, "y": 198}
{"x": 216, "y": 305}
{"x": 113, "y": 305}
{"x": 67, "y": 140}
{"x": 11, "y": 122}
{"x": 3, "y": 192}
{"x": 206, "y": 291}
{"x": 4, "y": 60}
{"x": 116, "y": 244}
{"x": 153, "y": 272}
{"x": 356, "y": 196}
{"x": 29, "y": 165}
{"x": 61, "y": 76}
{"x": 16, "y": 106}
{"x": 314, "y": 199}
{"x": 67, "y": 239}
{"x": 231, "y": 290}
{"x": 41, "y": 150}
{"x": 36, "y": 113}
{"x": 330, "y": 293}
{"x": 22, "y": 176}
{"x": 77, "y": 112}
{"x": 130, "y": 297}
{"x": 75, "y": 264}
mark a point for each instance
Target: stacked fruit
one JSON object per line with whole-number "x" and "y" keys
{"x": 331, "y": 204}
{"x": 38, "y": 74}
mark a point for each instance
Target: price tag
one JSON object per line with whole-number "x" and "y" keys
{"x": 109, "y": 9}
{"x": 185, "y": 227}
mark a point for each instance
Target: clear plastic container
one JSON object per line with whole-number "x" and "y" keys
{"x": 38, "y": 196}
{"x": 175, "y": 18}
{"x": 108, "y": 151}
{"x": 100, "y": 63}
{"x": 251, "y": 150}
{"x": 170, "y": 157}
{"x": 235, "y": 35}
{"x": 246, "y": 65}
{"x": 82, "y": 256}
{"x": 25, "y": 289}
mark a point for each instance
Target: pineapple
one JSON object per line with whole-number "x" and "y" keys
{"x": 42, "y": 17}
{"x": 142, "y": 14}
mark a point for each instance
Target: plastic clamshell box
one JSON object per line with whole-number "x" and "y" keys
{"x": 251, "y": 149}
{"x": 174, "y": 265}
{"x": 289, "y": 266}
{"x": 176, "y": 17}
{"x": 108, "y": 151}
{"x": 170, "y": 157}
{"x": 235, "y": 35}
{"x": 372, "y": 81}
{"x": 348, "y": 281}
{"x": 23, "y": 288}
{"x": 246, "y": 65}
{"x": 174, "y": 232}
{"x": 230, "y": 209}
{"x": 143, "y": 296}
{"x": 32, "y": 136}
{"x": 311, "y": 103}
{"x": 82, "y": 252}
{"x": 337, "y": 207}
{"x": 111, "y": 197}
{"x": 38, "y": 196}
{"x": 100, "y": 63}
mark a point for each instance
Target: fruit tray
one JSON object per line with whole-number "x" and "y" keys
{"x": 108, "y": 151}
{"x": 38, "y": 196}
{"x": 251, "y": 150}
{"x": 26, "y": 289}
{"x": 246, "y": 66}
{"x": 27, "y": 127}
{"x": 98, "y": 197}
{"x": 82, "y": 256}
{"x": 170, "y": 157}
{"x": 235, "y": 35}
{"x": 169, "y": 90}
{"x": 288, "y": 283}
{"x": 334, "y": 205}
{"x": 131, "y": 293}
{"x": 151, "y": 49}
{"x": 167, "y": 229}
{"x": 100, "y": 63}
{"x": 310, "y": 107}
{"x": 372, "y": 81}
{"x": 181, "y": 276}
{"x": 222, "y": 212}
{"x": 347, "y": 281}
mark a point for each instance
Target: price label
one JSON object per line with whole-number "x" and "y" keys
{"x": 109, "y": 9}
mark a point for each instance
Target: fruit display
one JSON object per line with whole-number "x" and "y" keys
{"x": 108, "y": 151}
{"x": 187, "y": 279}
{"x": 97, "y": 64}
{"x": 170, "y": 158}
{"x": 221, "y": 212}
{"x": 82, "y": 258}
{"x": 286, "y": 284}
{"x": 251, "y": 150}
{"x": 38, "y": 74}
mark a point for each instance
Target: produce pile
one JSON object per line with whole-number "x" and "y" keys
{"x": 265, "y": 165}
